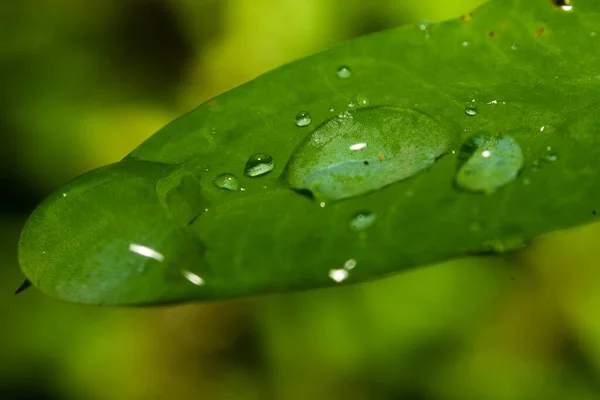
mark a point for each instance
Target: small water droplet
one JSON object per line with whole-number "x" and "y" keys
{"x": 401, "y": 143}
{"x": 564, "y": 5}
{"x": 471, "y": 110}
{"x": 465, "y": 44}
{"x": 351, "y": 104}
{"x": 338, "y": 275}
{"x": 424, "y": 27}
{"x": 363, "y": 101}
{"x": 227, "y": 181}
{"x": 322, "y": 204}
{"x": 349, "y": 264}
{"x": 332, "y": 109}
{"x": 593, "y": 34}
{"x": 487, "y": 163}
{"x": 344, "y": 72}
{"x": 363, "y": 220}
{"x": 514, "y": 46}
{"x": 259, "y": 164}
{"x": 550, "y": 157}
{"x": 303, "y": 118}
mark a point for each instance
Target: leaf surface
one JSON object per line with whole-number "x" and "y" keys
{"x": 354, "y": 193}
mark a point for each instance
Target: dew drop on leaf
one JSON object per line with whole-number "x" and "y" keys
{"x": 259, "y": 164}
{"x": 487, "y": 163}
{"x": 344, "y": 72}
{"x": 471, "y": 110}
{"x": 363, "y": 101}
{"x": 227, "y": 181}
{"x": 303, "y": 118}
{"x": 396, "y": 142}
{"x": 363, "y": 220}
{"x": 564, "y": 5}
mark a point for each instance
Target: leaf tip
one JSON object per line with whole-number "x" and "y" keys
{"x": 25, "y": 285}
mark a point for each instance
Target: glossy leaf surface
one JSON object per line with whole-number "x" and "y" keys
{"x": 158, "y": 227}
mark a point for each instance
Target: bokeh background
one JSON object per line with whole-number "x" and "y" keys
{"x": 84, "y": 82}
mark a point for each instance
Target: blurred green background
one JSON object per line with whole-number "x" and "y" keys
{"x": 84, "y": 82}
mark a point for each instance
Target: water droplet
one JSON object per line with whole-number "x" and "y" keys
{"x": 400, "y": 143}
{"x": 593, "y": 34}
{"x": 338, "y": 275}
{"x": 363, "y": 101}
{"x": 471, "y": 110}
{"x": 303, "y": 118}
{"x": 487, "y": 162}
{"x": 550, "y": 157}
{"x": 227, "y": 181}
{"x": 465, "y": 44}
{"x": 351, "y": 104}
{"x": 363, "y": 220}
{"x": 514, "y": 46}
{"x": 332, "y": 109}
{"x": 344, "y": 72}
{"x": 564, "y": 5}
{"x": 424, "y": 27}
{"x": 259, "y": 164}
{"x": 349, "y": 264}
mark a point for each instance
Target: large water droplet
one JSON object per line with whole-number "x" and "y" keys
{"x": 488, "y": 162}
{"x": 259, "y": 164}
{"x": 227, "y": 181}
{"x": 395, "y": 142}
{"x": 362, "y": 100}
{"x": 363, "y": 220}
{"x": 344, "y": 72}
{"x": 303, "y": 118}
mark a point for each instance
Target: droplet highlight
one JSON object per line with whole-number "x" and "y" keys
{"x": 487, "y": 163}
{"x": 344, "y": 72}
{"x": 227, "y": 181}
{"x": 259, "y": 164}
{"x": 303, "y": 119}
{"x": 362, "y": 221}
{"x": 395, "y": 142}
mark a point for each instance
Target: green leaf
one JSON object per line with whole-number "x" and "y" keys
{"x": 471, "y": 136}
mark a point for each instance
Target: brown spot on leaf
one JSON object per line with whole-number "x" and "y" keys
{"x": 380, "y": 156}
{"x": 539, "y": 31}
{"x": 491, "y": 34}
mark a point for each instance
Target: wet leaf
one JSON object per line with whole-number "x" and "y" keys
{"x": 303, "y": 208}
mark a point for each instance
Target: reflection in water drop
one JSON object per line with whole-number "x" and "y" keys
{"x": 192, "y": 277}
{"x": 259, "y": 164}
{"x": 401, "y": 143}
{"x": 227, "y": 181}
{"x": 488, "y": 162}
{"x": 362, "y": 221}
{"x": 146, "y": 252}
{"x": 303, "y": 119}
{"x": 338, "y": 275}
{"x": 344, "y": 72}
